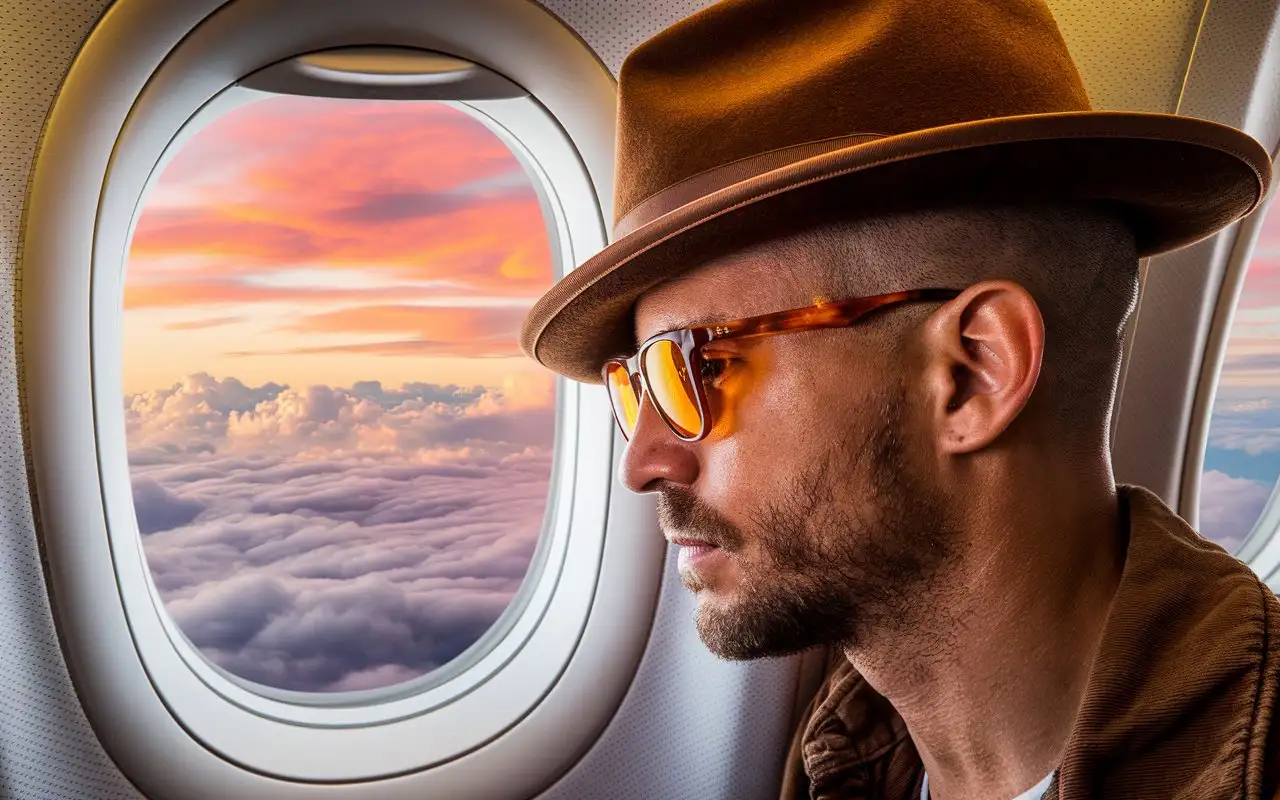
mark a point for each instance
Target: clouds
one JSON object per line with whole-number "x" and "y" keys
{"x": 455, "y": 323}
{"x": 1262, "y": 280}
{"x": 397, "y": 206}
{"x": 1241, "y": 465}
{"x": 323, "y": 538}
{"x": 1230, "y": 506}
{"x": 1248, "y": 423}
{"x": 205, "y": 292}
{"x": 1253, "y": 347}
{"x": 1244, "y": 365}
{"x": 352, "y": 635}
{"x": 159, "y": 509}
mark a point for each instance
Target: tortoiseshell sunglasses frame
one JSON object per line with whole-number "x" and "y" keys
{"x": 689, "y": 341}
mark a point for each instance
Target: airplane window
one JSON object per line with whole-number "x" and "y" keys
{"x": 340, "y": 460}
{"x": 1242, "y": 461}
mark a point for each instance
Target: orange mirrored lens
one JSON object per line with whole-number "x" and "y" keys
{"x": 626, "y": 406}
{"x": 673, "y": 393}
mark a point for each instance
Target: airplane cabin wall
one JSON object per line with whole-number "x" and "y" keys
{"x": 47, "y": 747}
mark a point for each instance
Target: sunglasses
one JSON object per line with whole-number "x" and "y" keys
{"x": 668, "y": 367}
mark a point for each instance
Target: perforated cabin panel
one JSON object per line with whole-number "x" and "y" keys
{"x": 1236, "y": 36}
{"x": 614, "y": 28}
{"x": 1132, "y": 54}
{"x": 668, "y": 744}
{"x": 47, "y": 748}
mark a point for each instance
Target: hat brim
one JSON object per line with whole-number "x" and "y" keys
{"x": 1177, "y": 180}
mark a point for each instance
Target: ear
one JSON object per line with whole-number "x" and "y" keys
{"x": 983, "y": 354}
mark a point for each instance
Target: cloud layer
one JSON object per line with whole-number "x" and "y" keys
{"x": 1229, "y": 507}
{"x": 326, "y": 539}
{"x": 1242, "y": 462}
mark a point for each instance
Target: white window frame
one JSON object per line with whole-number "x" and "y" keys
{"x": 1233, "y": 38}
{"x": 514, "y": 121}
{"x": 517, "y": 717}
{"x": 1259, "y": 547}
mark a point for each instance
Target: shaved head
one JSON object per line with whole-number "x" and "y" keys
{"x": 1078, "y": 262}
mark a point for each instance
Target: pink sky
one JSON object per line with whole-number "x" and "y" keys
{"x": 318, "y": 241}
{"x": 1255, "y": 330}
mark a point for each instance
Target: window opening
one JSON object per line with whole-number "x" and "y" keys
{"x": 339, "y": 458}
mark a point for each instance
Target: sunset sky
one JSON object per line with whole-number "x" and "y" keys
{"x": 340, "y": 459}
{"x": 304, "y": 240}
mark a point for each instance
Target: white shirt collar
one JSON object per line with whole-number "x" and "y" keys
{"x": 1033, "y": 793}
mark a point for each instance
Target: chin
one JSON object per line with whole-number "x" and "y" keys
{"x": 718, "y": 576}
{"x": 722, "y": 629}
{"x": 738, "y": 626}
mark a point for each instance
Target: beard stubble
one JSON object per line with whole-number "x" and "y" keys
{"x": 829, "y": 570}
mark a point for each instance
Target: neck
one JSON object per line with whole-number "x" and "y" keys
{"x": 989, "y": 684}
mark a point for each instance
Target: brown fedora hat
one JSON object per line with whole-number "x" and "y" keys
{"x": 753, "y": 108}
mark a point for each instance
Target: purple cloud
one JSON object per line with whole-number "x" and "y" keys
{"x": 327, "y": 539}
{"x": 159, "y": 509}
{"x": 1229, "y": 507}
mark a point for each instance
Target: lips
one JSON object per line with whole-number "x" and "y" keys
{"x": 699, "y": 560}
{"x": 694, "y": 549}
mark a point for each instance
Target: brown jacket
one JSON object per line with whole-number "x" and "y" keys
{"x": 1179, "y": 702}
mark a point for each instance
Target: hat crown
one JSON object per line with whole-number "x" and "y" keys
{"x": 744, "y": 78}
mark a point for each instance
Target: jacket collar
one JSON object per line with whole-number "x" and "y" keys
{"x": 1177, "y": 703}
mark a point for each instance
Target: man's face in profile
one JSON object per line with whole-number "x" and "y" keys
{"x": 808, "y": 515}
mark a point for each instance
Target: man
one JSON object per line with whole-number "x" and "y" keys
{"x": 861, "y": 324}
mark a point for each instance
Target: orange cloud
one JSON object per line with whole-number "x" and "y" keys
{"x": 220, "y": 231}
{"x": 477, "y": 332}
{"x": 178, "y": 294}
{"x": 448, "y": 323}
{"x": 198, "y": 324}
{"x": 498, "y": 246}
{"x": 292, "y": 134}
{"x": 400, "y": 347}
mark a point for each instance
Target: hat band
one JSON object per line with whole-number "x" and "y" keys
{"x": 726, "y": 175}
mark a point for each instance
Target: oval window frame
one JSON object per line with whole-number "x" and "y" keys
{"x": 511, "y": 121}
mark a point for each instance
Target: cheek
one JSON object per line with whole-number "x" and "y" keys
{"x": 798, "y": 403}
{"x": 779, "y": 426}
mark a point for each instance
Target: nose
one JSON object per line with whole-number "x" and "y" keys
{"x": 654, "y": 453}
